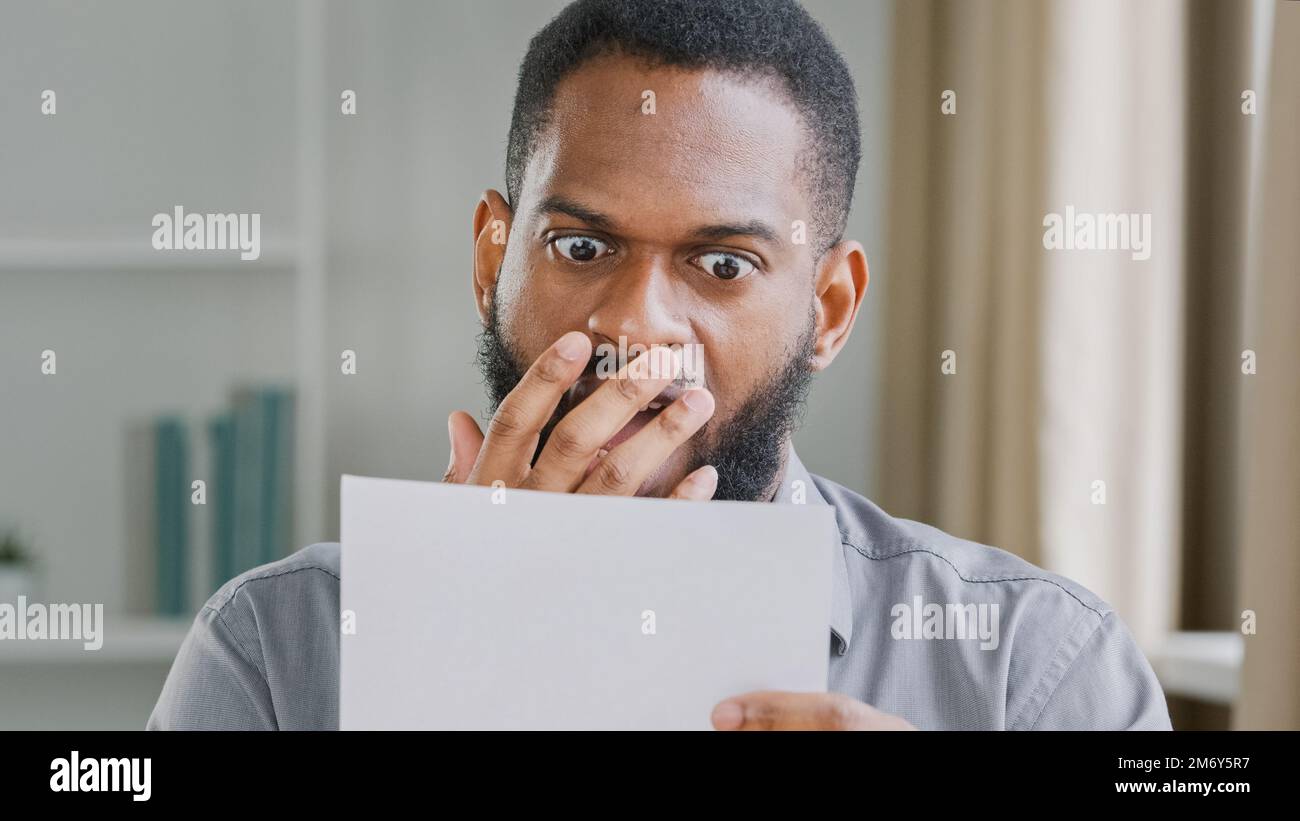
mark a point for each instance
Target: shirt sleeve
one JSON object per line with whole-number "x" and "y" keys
{"x": 213, "y": 684}
{"x": 1108, "y": 686}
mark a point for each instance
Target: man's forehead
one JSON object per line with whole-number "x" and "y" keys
{"x": 713, "y": 144}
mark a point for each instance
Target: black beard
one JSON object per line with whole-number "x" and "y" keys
{"x": 748, "y": 449}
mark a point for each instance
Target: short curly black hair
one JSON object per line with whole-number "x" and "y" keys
{"x": 765, "y": 38}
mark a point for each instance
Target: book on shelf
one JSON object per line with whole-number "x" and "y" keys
{"x": 172, "y": 495}
{"x": 252, "y": 455}
{"x": 180, "y": 551}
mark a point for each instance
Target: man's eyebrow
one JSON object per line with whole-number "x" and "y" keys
{"x": 559, "y": 205}
{"x": 556, "y": 204}
{"x": 753, "y": 228}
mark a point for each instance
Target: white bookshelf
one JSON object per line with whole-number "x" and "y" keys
{"x": 127, "y": 640}
{"x": 19, "y": 254}
{"x": 55, "y": 262}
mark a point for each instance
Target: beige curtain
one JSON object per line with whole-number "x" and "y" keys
{"x": 1111, "y": 325}
{"x": 958, "y": 450}
{"x": 1067, "y": 363}
{"x": 1270, "y": 502}
{"x": 1079, "y": 367}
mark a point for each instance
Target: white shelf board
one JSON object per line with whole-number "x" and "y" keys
{"x": 1203, "y": 665}
{"x": 127, "y": 639}
{"x": 117, "y": 252}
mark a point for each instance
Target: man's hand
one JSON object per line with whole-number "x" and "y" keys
{"x": 574, "y": 459}
{"x": 772, "y": 710}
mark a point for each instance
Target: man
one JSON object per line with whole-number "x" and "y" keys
{"x": 680, "y": 174}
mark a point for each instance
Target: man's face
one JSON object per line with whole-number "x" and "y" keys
{"x": 672, "y": 227}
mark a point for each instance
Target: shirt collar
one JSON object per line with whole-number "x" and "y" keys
{"x": 797, "y": 487}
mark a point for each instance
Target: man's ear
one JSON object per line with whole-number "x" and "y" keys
{"x": 491, "y": 230}
{"x": 838, "y": 289}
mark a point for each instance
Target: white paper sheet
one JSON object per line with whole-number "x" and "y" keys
{"x": 483, "y": 609}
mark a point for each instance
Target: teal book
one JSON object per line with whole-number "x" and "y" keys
{"x": 221, "y": 436}
{"x": 171, "y": 508}
{"x": 260, "y": 522}
{"x": 277, "y": 473}
{"x": 249, "y": 508}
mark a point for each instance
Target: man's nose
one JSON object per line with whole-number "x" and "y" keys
{"x": 640, "y": 303}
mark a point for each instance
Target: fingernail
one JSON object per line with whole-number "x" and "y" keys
{"x": 698, "y": 400}
{"x": 728, "y": 716}
{"x": 572, "y": 346}
{"x": 707, "y": 475}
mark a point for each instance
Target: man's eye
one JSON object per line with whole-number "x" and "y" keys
{"x": 725, "y": 266}
{"x": 581, "y": 249}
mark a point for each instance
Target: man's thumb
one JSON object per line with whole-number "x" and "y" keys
{"x": 465, "y": 437}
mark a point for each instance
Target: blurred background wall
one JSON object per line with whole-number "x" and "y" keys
{"x": 235, "y": 107}
{"x": 1071, "y": 367}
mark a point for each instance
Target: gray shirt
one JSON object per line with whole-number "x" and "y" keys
{"x": 946, "y": 633}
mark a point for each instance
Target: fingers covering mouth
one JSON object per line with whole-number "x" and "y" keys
{"x": 638, "y": 421}
{"x": 588, "y": 384}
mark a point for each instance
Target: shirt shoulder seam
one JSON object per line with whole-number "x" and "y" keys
{"x": 229, "y": 597}
{"x": 244, "y": 654}
{"x": 917, "y": 547}
{"x": 220, "y": 611}
{"x": 1065, "y": 671}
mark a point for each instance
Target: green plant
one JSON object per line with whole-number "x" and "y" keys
{"x": 12, "y": 551}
